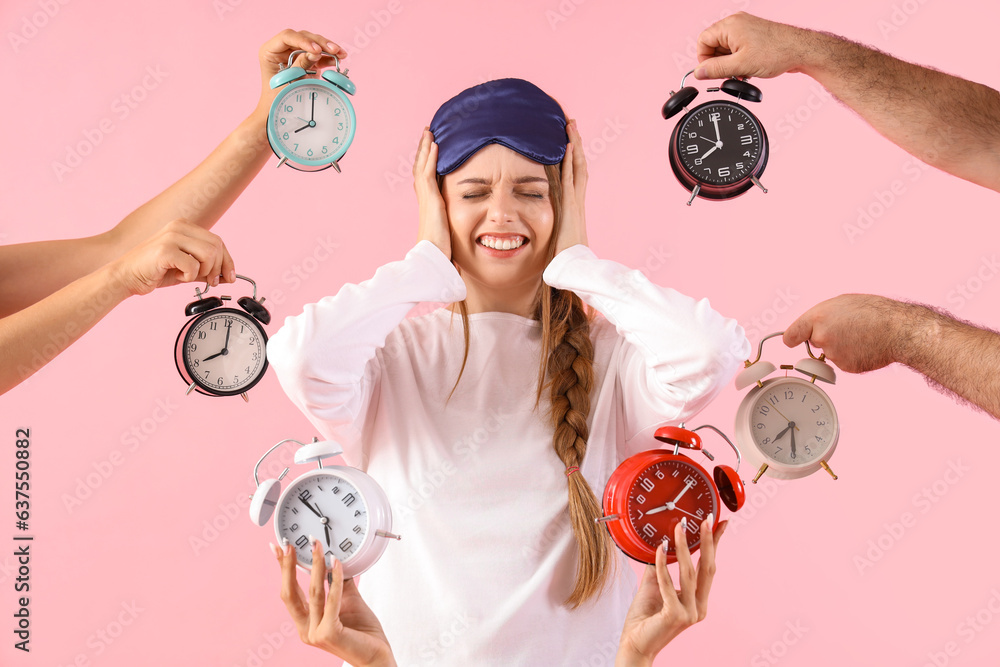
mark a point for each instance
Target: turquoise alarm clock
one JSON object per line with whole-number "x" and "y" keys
{"x": 311, "y": 122}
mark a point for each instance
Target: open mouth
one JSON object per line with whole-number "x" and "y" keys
{"x": 504, "y": 242}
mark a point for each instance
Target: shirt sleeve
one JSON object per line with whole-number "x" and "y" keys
{"x": 677, "y": 354}
{"x": 326, "y": 358}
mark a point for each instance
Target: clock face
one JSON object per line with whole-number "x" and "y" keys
{"x": 311, "y": 123}
{"x": 328, "y": 507}
{"x": 720, "y": 143}
{"x": 224, "y": 352}
{"x": 793, "y": 422}
{"x": 664, "y": 493}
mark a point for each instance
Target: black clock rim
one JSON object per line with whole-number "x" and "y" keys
{"x": 712, "y": 191}
{"x": 200, "y": 387}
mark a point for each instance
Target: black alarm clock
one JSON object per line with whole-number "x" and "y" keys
{"x": 718, "y": 149}
{"x": 222, "y": 351}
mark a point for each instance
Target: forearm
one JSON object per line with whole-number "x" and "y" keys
{"x": 208, "y": 190}
{"x": 961, "y": 358}
{"x": 948, "y": 122}
{"x": 626, "y": 658}
{"x": 31, "y": 338}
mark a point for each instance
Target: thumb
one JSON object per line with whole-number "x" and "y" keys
{"x": 719, "y": 67}
{"x": 799, "y": 331}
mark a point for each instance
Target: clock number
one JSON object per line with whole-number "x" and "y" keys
{"x": 693, "y": 526}
{"x": 357, "y": 512}
{"x": 296, "y": 147}
{"x": 739, "y": 165}
{"x": 282, "y": 121}
{"x": 285, "y": 136}
{"x": 701, "y": 513}
{"x": 777, "y": 450}
{"x": 298, "y": 98}
{"x": 336, "y": 112}
{"x": 349, "y": 499}
{"x": 294, "y": 510}
{"x": 701, "y": 124}
{"x": 698, "y": 160}
{"x": 309, "y": 152}
{"x": 746, "y": 140}
{"x": 336, "y": 490}
{"x": 692, "y": 149}
{"x": 691, "y": 480}
{"x": 723, "y": 171}
{"x": 659, "y": 474}
{"x": 197, "y": 362}
{"x": 289, "y": 107}
{"x": 641, "y": 499}
{"x": 746, "y": 154}
{"x": 760, "y": 425}
{"x": 357, "y": 529}
{"x": 648, "y": 530}
{"x": 247, "y": 371}
{"x": 765, "y": 441}
{"x": 292, "y": 528}
{"x": 712, "y": 117}
{"x": 808, "y": 451}
{"x": 324, "y": 150}
{"x": 773, "y": 399}
{"x": 816, "y": 409}
{"x": 305, "y": 495}
{"x": 206, "y": 375}
{"x": 692, "y": 135}
{"x": 788, "y": 394}
{"x": 647, "y": 484}
{"x": 676, "y": 473}
{"x": 202, "y": 335}
{"x": 819, "y": 439}
{"x": 764, "y": 409}
{"x": 302, "y": 542}
{"x": 340, "y": 126}
{"x": 336, "y": 140}
{"x": 345, "y": 545}
{"x": 213, "y": 325}
{"x": 820, "y": 423}
{"x": 740, "y": 126}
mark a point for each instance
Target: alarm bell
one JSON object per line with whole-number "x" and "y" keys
{"x": 727, "y": 480}
{"x": 813, "y": 367}
{"x": 252, "y": 305}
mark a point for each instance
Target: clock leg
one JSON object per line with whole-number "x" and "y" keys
{"x": 282, "y": 161}
{"x": 336, "y": 166}
{"x": 757, "y": 183}
{"x": 245, "y": 397}
{"x": 382, "y": 533}
{"x": 189, "y": 389}
{"x": 759, "y": 473}
{"x": 826, "y": 467}
{"x": 694, "y": 193}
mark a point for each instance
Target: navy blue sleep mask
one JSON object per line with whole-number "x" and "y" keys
{"x": 511, "y": 112}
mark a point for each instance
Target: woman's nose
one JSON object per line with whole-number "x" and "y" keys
{"x": 503, "y": 207}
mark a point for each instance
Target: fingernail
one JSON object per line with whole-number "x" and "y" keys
{"x": 312, "y": 540}
{"x": 215, "y": 281}
{"x": 232, "y": 275}
{"x": 274, "y": 549}
{"x": 287, "y": 545}
{"x": 699, "y": 73}
{"x": 684, "y": 523}
{"x": 316, "y": 47}
{"x": 710, "y": 520}
{"x": 333, "y": 47}
{"x": 666, "y": 544}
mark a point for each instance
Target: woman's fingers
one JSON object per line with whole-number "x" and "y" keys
{"x": 706, "y": 563}
{"x": 291, "y": 594}
{"x": 317, "y": 585}
{"x": 667, "y": 590}
{"x": 687, "y": 572}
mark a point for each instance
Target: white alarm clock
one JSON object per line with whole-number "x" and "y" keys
{"x": 311, "y": 122}
{"x": 787, "y": 426}
{"x": 342, "y": 507}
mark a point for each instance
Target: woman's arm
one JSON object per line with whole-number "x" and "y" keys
{"x": 325, "y": 358}
{"x": 180, "y": 252}
{"x": 31, "y": 271}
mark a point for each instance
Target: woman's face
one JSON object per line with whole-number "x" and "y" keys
{"x": 501, "y": 219}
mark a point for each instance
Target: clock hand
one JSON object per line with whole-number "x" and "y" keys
{"x": 711, "y": 141}
{"x": 311, "y": 508}
{"x": 217, "y": 354}
{"x": 229, "y": 330}
{"x": 672, "y": 505}
{"x": 326, "y": 527}
{"x": 786, "y": 418}
{"x": 698, "y": 519}
{"x": 792, "y": 425}
{"x": 710, "y": 151}
{"x": 303, "y": 127}
{"x": 312, "y": 116}
{"x": 718, "y": 137}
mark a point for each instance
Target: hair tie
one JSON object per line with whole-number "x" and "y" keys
{"x": 572, "y": 469}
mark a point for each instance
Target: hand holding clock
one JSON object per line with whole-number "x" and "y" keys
{"x": 342, "y": 624}
{"x": 274, "y": 53}
{"x": 659, "y": 612}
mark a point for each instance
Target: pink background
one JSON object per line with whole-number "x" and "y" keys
{"x": 789, "y": 561}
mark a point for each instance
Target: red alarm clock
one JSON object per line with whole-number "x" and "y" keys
{"x": 650, "y": 492}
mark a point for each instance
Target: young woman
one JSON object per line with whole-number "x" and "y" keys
{"x": 492, "y": 422}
